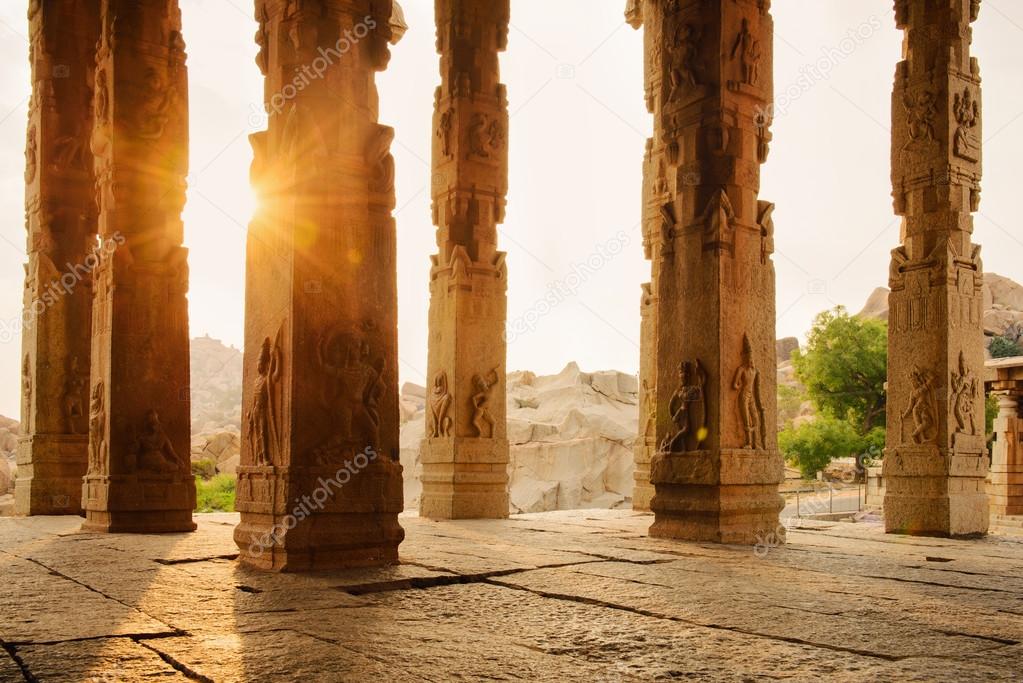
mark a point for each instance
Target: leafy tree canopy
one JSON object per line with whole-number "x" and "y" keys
{"x": 813, "y": 445}
{"x": 844, "y": 368}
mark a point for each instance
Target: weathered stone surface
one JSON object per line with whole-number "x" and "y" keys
{"x": 60, "y": 209}
{"x": 137, "y": 410}
{"x": 465, "y": 449}
{"x": 876, "y": 307}
{"x": 785, "y": 348}
{"x": 715, "y": 284}
{"x": 935, "y": 462}
{"x": 571, "y": 596}
{"x": 319, "y": 486}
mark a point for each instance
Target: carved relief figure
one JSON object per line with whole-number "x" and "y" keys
{"x": 153, "y": 451}
{"x": 74, "y": 388}
{"x": 920, "y": 113}
{"x": 688, "y": 410}
{"x": 684, "y": 53}
{"x": 440, "y": 403}
{"x": 922, "y": 409}
{"x": 765, "y": 218}
{"x": 482, "y": 420}
{"x": 156, "y": 99}
{"x": 479, "y": 136}
{"x": 69, "y": 153}
{"x": 380, "y": 159}
{"x": 26, "y": 390}
{"x": 965, "y": 390}
{"x": 97, "y": 431}
{"x": 101, "y": 109}
{"x": 967, "y": 113}
{"x": 747, "y": 48}
{"x": 261, "y": 422}
{"x": 649, "y": 411}
{"x": 445, "y": 129}
{"x": 717, "y": 220}
{"x": 263, "y": 41}
{"x": 31, "y": 154}
{"x": 355, "y": 394}
{"x": 751, "y": 405}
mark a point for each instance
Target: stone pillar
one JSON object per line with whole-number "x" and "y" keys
{"x": 60, "y": 215}
{"x": 935, "y": 463}
{"x": 717, "y": 468}
{"x": 465, "y": 452}
{"x": 139, "y": 477}
{"x": 1005, "y": 490}
{"x": 320, "y": 484}
{"x": 645, "y": 14}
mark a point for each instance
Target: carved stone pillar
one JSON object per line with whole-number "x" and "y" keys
{"x": 60, "y": 215}
{"x": 320, "y": 485}
{"x": 717, "y": 468}
{"x": 1005, "y": 489}
{"x": 645, "y": 14}
{"x": 139, "y": 477}
{"x": 465, "y": 452}
{"x": 935, "y": 463}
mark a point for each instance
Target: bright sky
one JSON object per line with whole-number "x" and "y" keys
{"x": 575, "y": 83}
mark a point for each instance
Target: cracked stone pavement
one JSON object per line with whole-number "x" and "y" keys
{"x": 567, "y": 596}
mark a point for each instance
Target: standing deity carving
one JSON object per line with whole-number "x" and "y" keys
{"x": 965, "y": 390}
{"x": 482, "y": 420}
{"x": 440, "y": 404}
{"x": 747, "y": 49}
{"x": 765, "y": 219}
{"x": 97, "y": 431}
{"x": 74, "y": 388}
{"x": 381, "y": 161}
{"x": 684, "y": 55}
{"x": 921, "y": 409}
{"x": 445, "y": 130}
{"x": 262, "y": 422}
{"x": 688, "y": 410}
{"x": 920, "y": 113}
{"x": 967, "y": 115}
{"x": 751, "y": 404}
{"x": 31, "y": 154}
{"x": 355, "y": 394}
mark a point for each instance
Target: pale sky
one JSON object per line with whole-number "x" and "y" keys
{"x": 575, "y": 84}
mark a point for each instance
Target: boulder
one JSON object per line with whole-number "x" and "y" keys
{"x": 571, "y": 437}
{"x": 8, "y": 441}
{"x": 785, "y": 348}
{"x": 1002, "y": 293}
{"x": 6, "y": 476}
{"x": 876, "y": 307}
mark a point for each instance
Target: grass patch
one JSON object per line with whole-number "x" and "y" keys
{"x": 215, "y": 495}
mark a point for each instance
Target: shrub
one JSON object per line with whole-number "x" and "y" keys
{"x": 1004, "y": 347}
{"x": 215, "y": 495}
{"x": 812, "y": 446}
{"x": 206, "y": 468}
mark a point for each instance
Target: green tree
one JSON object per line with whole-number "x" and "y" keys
{"x": 813, "y": 445}
{"x": 1005, "y": 347}
{"x": 844, "y": 368}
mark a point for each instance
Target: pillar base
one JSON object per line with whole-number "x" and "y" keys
{"x": 465, "y": 478}
{"x": 138, "y": 504}
{"x": 930, "y": 491}
{"x": 1005, "y": 490}
{"x": 727, "y": 496}
{"x": 319, "y": 518}
{"x": 50, "y": 471}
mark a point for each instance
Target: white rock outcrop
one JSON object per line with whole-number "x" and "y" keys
{"x": 571, "y": 440}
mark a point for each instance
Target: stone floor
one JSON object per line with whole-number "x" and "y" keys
{"x": 580, "y": 596}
